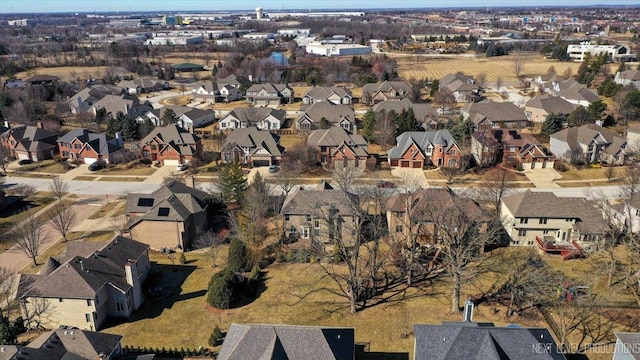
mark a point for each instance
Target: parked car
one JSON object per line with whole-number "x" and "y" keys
{"x": 386, "y": 184}
{"x": 273, "y": 169}
{"x": 97, "y": 166}
{"x": 24, "y": 162}
{"x": 182, "y": 167}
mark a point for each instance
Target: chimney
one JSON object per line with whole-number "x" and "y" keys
{"x": 119, "y": 139}
{"x": 40, "y": 125}
{"x": 7, "y": 124}
{"x": 468, "y": 311}
{"x": 81, "y": 266}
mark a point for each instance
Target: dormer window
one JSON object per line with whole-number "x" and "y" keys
{"x": 429, "y": 150}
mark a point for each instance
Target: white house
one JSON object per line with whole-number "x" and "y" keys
{"x": 628, "y": 77}
{"x": 262, "y": 118}
{"x": 196, "y": 118}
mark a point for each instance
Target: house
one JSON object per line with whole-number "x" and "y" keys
{"x": 538, "y": 108}
{"x": 414, "y": 216}
{"x": 269, "y": 94}
{"x": 42, "y": 80}
{"x": 231, "y": 80}
{"x": 589, "y": 143}
{"x": 171, "y": 217}
{"x": 545, "y": 81}
{"x": 61, "y": 344}
{"x": 143, "y": 86}
{"x": 91, "y": 283}
{"x": 625, "y": 215}
{"x": 336, "y": 146}
{"x": 251, "y": 146}
{"x": 324, "y": 114}
{"x": 424, "y": 113}
{"x": 616, "y": 53}
{"x": 528, "y": 216}
{"x": 211, "y": 92}
{"x": 260, "y": 117}
{"x": 574, "y": 92}
{"x": 386, "y": 91}
{"x": 156, "y": 115}
{"x": 171, "y": 145}
{"x": 129, "y": 105}
{"x": 628, "y": 77}
{"x": 84, "y": 100}
{"x": 471, "y": 340}
{"x": 510, "y": 147}
{"x": 258, "y": 341}
{"x": 196, "y": 118}
{"x": 320, "y": 216}
{"x": 334, "y": 94}
{"x": 186, "y": 67}
{"x": 463, "y": 87}
{"x": 627, "y": 346}
{"x": 13, "y": 83}
{"x": 88, "y": 147}
{"x": 633, "y": 136}
{"x": 489, "y": 114}
{"x": 27, "y": 142}
{"x": 419, "y": 149}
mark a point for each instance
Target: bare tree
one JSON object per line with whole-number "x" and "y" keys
{"x": 5, "y": 159}
{"x": 7, "y": 287}
{"x": 345, "y": 177}
{"x": 28, "y": 235}
{"x": 444, "y": 97}
{"x": 568, "y": 72}
{"x": 384, "y": 131}
{"x": 518, "y": 64}
{"x": 119, "y": 225}
{"x": 497, "y": 184}
{"x": 59, "y": 188}
{"x": 610, "y": 173}
{"x": 498, "y": 83}
{"x": 25, "y": 191}
{"x": 481, "y": 78}
{"x": 210, "y": 242}
{"x": 63, "y": 218}
{"x": 288, "y": 177}
{"x": 35, "y": 312}
{"x": 450, "y": 173}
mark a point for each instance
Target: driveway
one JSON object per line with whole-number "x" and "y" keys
{"x": 412, "y": 178}
{"x": 543, "y": 178}
{"x": 160, "y": 174}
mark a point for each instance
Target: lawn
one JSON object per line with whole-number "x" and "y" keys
{"x": 45, "y": 166}
{"x": 106, "y": 208}
{"x": 588, "y": 173}
{"x": 138, "y": 170}
{"x": 121, "y": 178}
{"x": 288, "y": 141}
{"x": 85, "y": 178}
{"x": 7, "y": 221}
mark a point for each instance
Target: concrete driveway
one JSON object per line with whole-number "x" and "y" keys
{"x": 543, "y": 178}
{"x": 412, "y": 178}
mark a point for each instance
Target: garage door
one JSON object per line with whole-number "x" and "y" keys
{"x": 90, "y": 160}
{"x": 261, "y": 163}
{"x": 404, "y": 163}
{"x": 417, "y": 165}
{"x": 171, "y": 162}
{"x": 23, "y": 156}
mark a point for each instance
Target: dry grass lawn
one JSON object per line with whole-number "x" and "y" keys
{"x": 85, "y": 178}
{"x": 106, "y": 208}
{"x": 288, "y": 141}
{"x": 139, "y": 170}
{"x": 67, "y": 73}
{"x": 45, "y": 166}
{"x": 121, "y": 178}
{"x": 591, "y": 174}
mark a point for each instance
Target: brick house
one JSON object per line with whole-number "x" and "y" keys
{"x": 88, "y": 147}
{"x": 336, "y": 146}
{"x": 418, "y": 149}
{"x": 27, "y": 142}
{"x": 509, "y": 147}
{"x": 171, "y": 145}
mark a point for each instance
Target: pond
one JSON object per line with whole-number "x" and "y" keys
{"x": 279, "y": 58}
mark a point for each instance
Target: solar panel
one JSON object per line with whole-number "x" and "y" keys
{"x": 163, "y": 211}
{"x": 145, "y": 202}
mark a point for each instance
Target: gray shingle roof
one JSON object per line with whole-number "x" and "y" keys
{"x": 66, "y": 345}
{"x": 172, "y": 202}
{"x": 329, "y": 111}
{"x": 173, "y": 135}
{"x": 585, "y": 134}
{"x": 254, "y": 138}
{"x": 495, "y": 111}
{"x": 323, "y": 92}
{"x": 463, "y": 341}
{"x": 422, "y": 139}
{"x": 421, "y": 111}
{"x": 551, "y": 104}
{"x": 102, "y": 144}
{"x": 335, "y": 136}
{"x": 631, "y": 343}
{"x": 257, "y": 342}
{"x": 401, "y": 87}
{"x": 317, "y": 201}
{"x": 256, "y": 114}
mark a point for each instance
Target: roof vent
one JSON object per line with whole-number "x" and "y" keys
{"x": 468, "y": 311}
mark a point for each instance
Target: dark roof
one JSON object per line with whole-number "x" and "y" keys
{"x": 256, "y": 114}
{"x": 422, "y": 139}
{"x": 463, "y": 341}
{"x": 65, "y": 345}
{"x": 318, "y": 201}
{"x": 173, "y": 135}
{"x": 324, "y": 92}
{"x": 172, "y": 202}
{"x": 334, "y": 136}
{"x": 103, "y": 144}
{"x": 255, "y": 139}
{"x": 585, "y": 134}
{"x": 551, "y": 104}
{"x": 495, "y": 111}
{"x": 257, "y": 342}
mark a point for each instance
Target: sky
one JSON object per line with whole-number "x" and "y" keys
{"x": 39, "y": 6}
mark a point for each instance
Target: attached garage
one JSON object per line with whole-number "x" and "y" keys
{"x": 261, "y": 162}
{"x": 405, "y": 163}
{"x": 167, "y": 162}
{"x": 23, "y": 156}
{"x": 417, "y": 164}
{"x": 90, "y": 160}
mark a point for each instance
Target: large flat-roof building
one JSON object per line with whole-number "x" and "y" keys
{"x": 615, "y": 53}
{"x": 337, "y": 49}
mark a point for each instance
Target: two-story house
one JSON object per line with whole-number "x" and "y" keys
{"x": 171, "y": 145}
{"x": 84, "y": 99}
{"x": 321, "y": 216}
{"x": 574, "y": 92}
{"x": 415, "y": 216}
{"x": 269, "y": 94}
{"x": 416, "y": 149}
{"x": 260, "y": 117}
{"x": 325, "y": 114}
{"x": 27, "y": 142}
{"x": 196, "y": 118}
{"x": 510, "y": 147}
{"x": 463, "y": 87}
{"x": 91, "y": 283}
{"x": 424, "y": 113}
{"x": 590, "y": 143}
{"x": 538, "y": 108}
{"x": 334, "y": 94}
{"x": 171, "y": 217}
{"x": 490, "y": 114}
{"x": 530, "y": 217}
{"x": 632, "y": 134}
{"x": 628, "y": 77}
{"x": 625, "y": 214}
{"x": 386, "y": 91}
{"x": 212, "y": 92}
{"x": 251, "y": 146}
{"x": 88, "y": 147}
{"x": 156, "y": 115}
{"x": 336, "y": 146}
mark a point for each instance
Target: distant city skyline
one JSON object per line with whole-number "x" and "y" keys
{"x": 44, "y": 6}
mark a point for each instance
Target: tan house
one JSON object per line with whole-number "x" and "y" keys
{"x": 269, "y": 94}
{"x": 633, "y": 136}
{"x": 529, "y": 215}
{"x": 538, "y": 108}
{"x": 386, "y": 91}
{"x": 590, "y": 143}
{"x": 417, "y": 149}
{"x": 490, "y": 114}
{"x": 324, "y": 114}
{"x": 171, "y": 145}
{"x": 251, "y": 146}
{"x": 91, "y": 283}
{"x": 463, "y": 87}
{"x": 337, "y": 147}
{"x": 320, "y": 216}
{"x": 333, "y": 94}
{"x": 171, "y": 217}
{"x": 510, "y": 147}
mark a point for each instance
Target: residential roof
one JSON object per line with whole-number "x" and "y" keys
{"x": 431, "y": 203}
{"x": 254, "y": 138}
{"x": 173, "y": 201}
{"x": 462, "y": 341}
{"x": 329, "y": 111}
{"x": 512, "y": 137}
{"x": 422, "y": 139}
{"x": 42, "y": 78}
{"x": 82, "y": 277}
{"x": 548, "y": 205}
{"x": 255, "y": 341}
{"x": 273, "y": 89}
{"x": 324, "y": 92}
{"x": 633, "y": 75}
{"x": 630, "y": 341}
{"x": 495, "y": 111}
{"x": 231, "y": 80}
{"x": 551, "y": 104}
{"x": 422, "y": 111}
{"x": 173, "y": 135}
{"x": 459, "y": 76}
{"x": 334, "y": 136}
{"x": 585, "y": 134}
{"x": 195, "y": 114}
{"x": 31, "y": 138}
{"x": 256, "y": 114}
{"x": 65, "y": 345}
{"x": 102, "y": 144}
{"x": 401, "y": 87}
{"x": 319, "y": 201}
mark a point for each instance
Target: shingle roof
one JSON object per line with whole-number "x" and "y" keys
{"x": 254, "y": 342}
{"x": 463, "y": 341}
{"x": 334, "y": 136}
{"x": 630, "y": 341}
{"x": 495, "y": 111}
{"x": 102, "y": 144}
{"x": 401, "y": 87}
{"x": 329, "y": 111}
{"x": 254, "y": 138}
{"x": 66, "y": 345}
{"x": 323, "y": 92}
{"x": 180, "y": 139}
{"x": 422, "y": 111}
{"x": 422, "y": 139}
{"x": 172, "y": 202}
{"x": 633, "y": 75}
{"x": 256, "y": 114}
{"x": 585, "y": 134}
{"x": 551, "y": 104}
{"x": 318, "y": 201}
{"x": 431, "y": 203}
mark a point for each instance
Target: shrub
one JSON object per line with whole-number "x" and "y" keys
{"x": 237, "y": 260}
{"x": 220, "y": 292}
{"x": 182, "y": 259}
{"x": 216, "y": 336}
{"x": 255, "y": 273}
{"x": 145, "y": 161}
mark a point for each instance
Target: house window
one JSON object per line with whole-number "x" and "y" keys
{"x": 453, "y": 151}
{"x": 545, "y": 232}
{"x": 60, "y": 299}
{"x": 308, "y": 217}
{"x": 77, "y": 146}
{"x": 153, "y": 147}
{"x": 524, "y": 220}
{"x": 399, "y": 228}
{"x": 522, "y": 232}
{"x": 119, "y": 307}
{"x": 286, "y": 217}
{"x": 543, "y": 221}
{"x": 65, "y": 154}
{"x": 223, "y": 125}
{"x": 293, "y": 230}
{"x": 316, "y": 223}
{"x": 637, "y": 212}
{"x": 87, "y": 317}
{"x": 89, "y": 302}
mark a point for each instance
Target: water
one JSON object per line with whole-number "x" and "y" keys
{"x": 279, "y": 58}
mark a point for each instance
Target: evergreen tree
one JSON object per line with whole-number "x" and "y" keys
{"x": 369, "y": 122}
{"x": 552, "y": 124}
{"x": 232, "y": 183}
{"x": 114, "y": 124}
{"x": 237, "y": 259}
{"x": 579, "y": 117}
{"x": 216, "y": 336}
{"x": 220, "y": 291}
{"x": 435, "y": 86}
{"x": 145, "y": 128}
{"x": 214, "y": 70}
{"x": 596, "y": 109}
{"x": 7, "y": 334}
{"x": 168, "y": 117}
{"x": 129, "y": 129}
